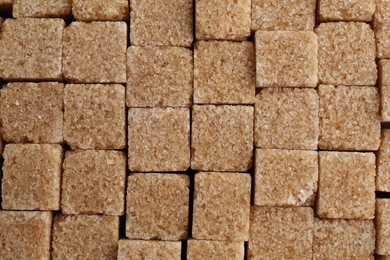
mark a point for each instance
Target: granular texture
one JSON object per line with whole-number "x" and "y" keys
{"x": 31, "y": 49}
{"x": 141, "y": 249}
{"x": 32, "y": 112}
{"x": 281, "y": 233}
{"x": 42, "y": 8}
{"x": 161, "y": 23}
{"x": 222, "y": 138}
{"x": 346, "y": 54}
{"x": 221, "y": 206}
{"x": 85, "y": 237}
{"x": 159, "y": 77}
{"x": 286, "y": 59}
{"x": 341, "y": 10}
{"x": 382, "y": 28}
{"x": 25, "y": 235}
{"x": 157, "y": 206}
{"x": 346, "y": 185}
{"x": 384, "y": 83}
{"x": 224, "y": 72}
{"x": 159, "y": 139}
{"x": 349, "y": 118}
{"x": 95, "y": 52}
{"x": 287, "y": 118}
{"x": 222, "y": 20}
{"x": 206, "y": 249}
{"x": 382, "y": 222}
{"x": 93, "y": 182}
{"x": 31, "y": 177}
{"x": 95, "y": 116}
{"x": 96, "y": 10}
{"x": 383, "y": 163}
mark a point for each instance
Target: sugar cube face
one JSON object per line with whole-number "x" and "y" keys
{"x": 224, "y": 72}
{"x": 159, "y": 139}
{"x": 289, "y": 15}
{"x": 347, "y": 239}
{"x": 346, "y": 54}
{"x": 87, "y": 45}
{"x": 159, "y": 77}
{"x": 382, "y": 222}
{"x": 352, "y": 10}
{"x": 157, "y": 206}
{"x": 168, "y": 23}
{"x": 383, "y": 163}
{"x": 222, "y": 20}
{"x": 93, "y": 182}
{"x": 142, "y": 249}
{"x": 222, "y": 138}
{"x": 349, "y": 118}
{"x": 286, "y": 59}
{"x": 346, "y": 185}
{"x": 32, "y": 177}
{"x": 25, "y": 234}
{"x": 384, "y": 83}
{"x": 382, "y": 28}
{"x": 42, "y": 8}
{"x": 95, "y": 10}
{"x": 31, "y": 49}
{"x": 95, "y": 116}
{"x": 221, "y": 206}
{"x": 281, "y": 233}
{"x": 85, "y": 237}
{"x": 24, "y": 120}
{"x": 206, "y": 249}
{"x": 287, "y": 118}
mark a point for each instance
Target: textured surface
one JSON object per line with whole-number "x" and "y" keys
{"x": 97, "y": 10}
{"x": 159, "y": 77}
{"x": 384, "y": 83}
{"x": 159, "y": 139}
{"x": 224, "y": 72}
{"x": 205, "y": 249}
{"x": 221, "y": 206}
{"x": 382, "y": 222}
{"x": 346, "y": 185}
{"x": 351, "y": 10}
{"x": 140, "y": 249}
{"x": 382, "y": 28}
{"x": 95, "y": 116}
{"x": 42, "y": 8}
{"x": 157, "y": 206}
{"x": 286, "y": 59}
{"x": 93, "y": 182}
{"x": 383, "y": 163}
{"x": 349, "y": 118}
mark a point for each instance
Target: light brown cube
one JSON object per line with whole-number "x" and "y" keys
{"x": 346, "y": 185}
{"x": 95, "y": 52}
{"x": 159, "y": 139}
{"x": 93, "y": 182}
{"x": 382, "y": 28}
{"x": 341, "y": 10}
{"x": 97, "y": 10}
{"x": 25, "y": 234}
{"x": 349, "y": 118}
{"x": 383, "y": 163}
{"x": 286, "y": 59}
{"x": 42, "y": 8}
{"x": 95, "y": 116}
{"x": 31, "y": 49}
{"x": 346, "y": 54}
{"x": 382, "y": 222}
{"x": 224, "y": 72}
{"x": 221, "y": 206}
{"x": 142, "y": 249}
{"x": 206, "y": 249}
{"x": 281, "y": 233}
{"x": 32, "y": 112}
{"x": 31, "y": 177}
{"x": 384, "y": 83}
{"x": 287, "y": 118}
{"x": 222, "y": 138}
{"x": 159, "y": 77}
{"x": 157, "y": 206}
{"x": 222, "y": 20}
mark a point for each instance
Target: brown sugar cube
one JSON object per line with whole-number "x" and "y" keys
{"x": 85, "y": 237}
{"x": 382, "y": 28}
{"x": 167, "y": 23}
{"x": 222, "y": 138}
{"x": 25, "y": 234}
{"x": 159, "y": 77}
{"x": 346, "y": 54}
{"x": 287, "y": 118}
{"x": 31, "y": 49}
{"x": 31, "y": 177}
{"x": 32, "y": 112}
{"x": 384, "y": 83}
{"x": 224, "y": 72}
{"x": 42, "y": 8}
{"x": 346, "y": 185}
{"x": 95, "y": 116}
{"x": 349, "y": 118}
{"x": 286, "y": 59}
{"x": 95, "y": 52}
{"x": 96, "y": 10}
{"x": 206, "y": 249}
{"x": 157, "y": 206}
{"x": 93, "y": 182}
{"x": 351, "y": 10}
{"x": 383, "y": 163}
{"x": 221, "y": 206}
{"x": 281, "y": 233}
{"x": 142, "y": 249}
{"x": 382, "y": 222}
{"x": 343, "y": 239}
{"x": 290, "y": 15}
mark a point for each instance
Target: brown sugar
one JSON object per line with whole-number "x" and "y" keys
{"x": 382, "y": 222}
{"x": 96, "y": 10}
{"x": 206, "y": 249}
{"x": 142, "y": 249}
{"x": 382, "y": 28}
{"x": 383, "y": 163}
{"x": 384, "y": 83}
{"x": 42, "y": 8}
{"x": 351, "y": 10}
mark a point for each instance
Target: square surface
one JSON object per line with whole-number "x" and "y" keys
{"x": 383, "y": 163}
{"x": 384, "y": 84}
{"x": 341, "y": 10}
{"x": 382, "y": 223}
{"x": 382, "y": 28}
{"x": 141, "y": 249}
{"x": 206, "y": 249}
{"x": 97, "y": 10}
{"x": 42, "y": 8}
